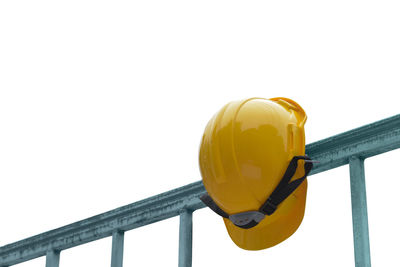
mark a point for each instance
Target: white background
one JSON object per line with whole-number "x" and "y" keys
{"x": 103, "y": 103}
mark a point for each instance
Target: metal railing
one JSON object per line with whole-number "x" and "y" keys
{"x": 351, "y": 148}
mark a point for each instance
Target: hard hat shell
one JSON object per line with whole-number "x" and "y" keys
{"x": 245, "y": 150}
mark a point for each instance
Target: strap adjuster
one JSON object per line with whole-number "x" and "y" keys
{"x": 268, "y": 207}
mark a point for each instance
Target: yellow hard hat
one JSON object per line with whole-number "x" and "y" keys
{"x": 254, "y": 169}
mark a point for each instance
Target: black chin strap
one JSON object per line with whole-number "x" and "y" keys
{"x": 213, "y": 206}
{"x": 281, "y": 192}
{"x": 285, "y": 187}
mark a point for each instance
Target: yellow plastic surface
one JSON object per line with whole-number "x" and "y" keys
{"x": 245, "y": 150}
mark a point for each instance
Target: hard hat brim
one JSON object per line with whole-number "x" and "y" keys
{"x": 275, "y": 228}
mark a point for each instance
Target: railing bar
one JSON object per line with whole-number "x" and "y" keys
{"x": 117, "y": 251}
{"x": 359, "y": 211}
{"x": 185, "y": 238}
{"x": 52, "y": 258}
{"x": 332, "y": 152}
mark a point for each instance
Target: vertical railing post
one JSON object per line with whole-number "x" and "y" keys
{"x": 359, "y": 211}
{"x": 185, "y": 238}
{"x": 52, "y": 258}
{"x": 117, "y": 250}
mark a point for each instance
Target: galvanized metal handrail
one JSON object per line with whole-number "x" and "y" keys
{"x": 351, "y": 148}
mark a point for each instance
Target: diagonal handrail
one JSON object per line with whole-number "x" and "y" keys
{"x": 366, "y": 141}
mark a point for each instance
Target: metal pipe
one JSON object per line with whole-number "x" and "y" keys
{"x": 360, "y": 214}
{"x": 185, "y": 238}
{"x": 52, "y": 258}
{"x": 117, "y": 251}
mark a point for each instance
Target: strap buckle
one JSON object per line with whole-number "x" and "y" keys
{"x": 268, "y": 207}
